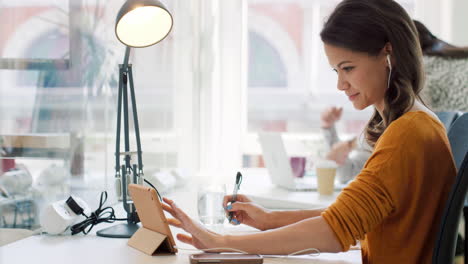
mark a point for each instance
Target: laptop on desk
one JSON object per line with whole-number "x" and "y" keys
{"x": 279, "y": 167}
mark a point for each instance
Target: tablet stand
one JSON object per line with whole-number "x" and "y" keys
{"x": 150, "y": 242}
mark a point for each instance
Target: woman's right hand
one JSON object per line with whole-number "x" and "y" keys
{"x": 246, "y": 212}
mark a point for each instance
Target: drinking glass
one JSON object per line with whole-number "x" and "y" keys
{"x": 210, "y": 204}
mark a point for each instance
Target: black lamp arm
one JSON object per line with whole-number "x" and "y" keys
{"x": 137, "y": 127}
{"x": 124, "y": 172}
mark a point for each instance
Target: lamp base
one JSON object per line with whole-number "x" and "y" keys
{"x": 119, "y": 231}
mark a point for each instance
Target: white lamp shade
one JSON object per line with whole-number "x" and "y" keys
{"x": 142, "y": 23}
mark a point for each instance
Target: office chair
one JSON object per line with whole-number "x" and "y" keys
{"x": 448, "y": 117}
{"x": 444, "y": 249}
{"x": 458, "y": 137}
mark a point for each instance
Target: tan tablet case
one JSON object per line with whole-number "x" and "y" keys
{"x": 154, "y": 237}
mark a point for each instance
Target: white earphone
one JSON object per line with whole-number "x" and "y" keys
{"x": 390, "y": 72}
{"x": 389, "y": 62}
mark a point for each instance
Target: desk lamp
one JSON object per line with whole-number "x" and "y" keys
{"x": 139, "y": 24}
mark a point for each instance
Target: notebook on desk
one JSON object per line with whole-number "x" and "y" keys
{"x": 279, "y": 167}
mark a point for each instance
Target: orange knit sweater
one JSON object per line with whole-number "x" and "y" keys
{"x": 395, "y": 204}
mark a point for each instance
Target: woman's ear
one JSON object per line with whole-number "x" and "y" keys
{"x": 387, "y": 52}
{"x": 387, "y": 49}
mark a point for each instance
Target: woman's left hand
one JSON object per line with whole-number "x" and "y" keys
{"x": 200, "y": 237}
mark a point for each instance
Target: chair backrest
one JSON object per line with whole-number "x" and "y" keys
{"x": 458, "y": 137}
{"x": 445, "y": 244}
{"x": 447, "y": 117}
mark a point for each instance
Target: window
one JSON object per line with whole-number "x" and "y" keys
{"x": 59, "y": 76}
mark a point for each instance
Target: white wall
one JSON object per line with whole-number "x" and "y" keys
{"x": 447, "y": 19}
{"x": 460, "y": 22}
{"x": 435, "y": 14}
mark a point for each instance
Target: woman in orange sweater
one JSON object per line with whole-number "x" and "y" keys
{"x": 395, "y": 204}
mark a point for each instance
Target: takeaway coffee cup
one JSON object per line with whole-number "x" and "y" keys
{"x": 326, "y": 171}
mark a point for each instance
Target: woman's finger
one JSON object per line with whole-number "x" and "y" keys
{"x": 172, "y": 207}
{"x": 174, "y": 222}
{"x": 167, "y": 200}
{"x": 235, "y": 220}
{"x": 227, "y": 199}
{"x": 240, "y": 198}
{"x": 239, "y": 206}
{"x": 236, "y": 216}
{"x": 168, "y": 209}
{"x": 185, "y": 239}
{"x": 240, "y": 218}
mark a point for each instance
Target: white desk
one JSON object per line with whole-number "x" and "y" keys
{"x": 90, "y": 249}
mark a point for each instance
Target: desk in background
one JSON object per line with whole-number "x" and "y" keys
{"x": 257, "y": 184}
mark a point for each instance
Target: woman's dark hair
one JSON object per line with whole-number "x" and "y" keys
{"x": 433, "y": 46}
{"x": 367, "y": 26}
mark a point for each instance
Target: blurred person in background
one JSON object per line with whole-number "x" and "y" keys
{"x": 350, "y": 155}
{"x": 446, "y": 69}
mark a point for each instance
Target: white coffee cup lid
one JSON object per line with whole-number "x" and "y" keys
{"x": 324, "y": 163}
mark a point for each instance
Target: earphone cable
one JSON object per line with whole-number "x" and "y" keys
{"x": 297, "y": 253}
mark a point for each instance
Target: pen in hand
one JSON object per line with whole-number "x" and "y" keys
{"x": 234, "y": 193}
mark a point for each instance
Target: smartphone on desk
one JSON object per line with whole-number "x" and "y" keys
{"x": 225, "y": 258}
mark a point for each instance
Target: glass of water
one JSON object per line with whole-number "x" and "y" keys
{"x": 210, "y": 204}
